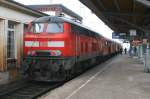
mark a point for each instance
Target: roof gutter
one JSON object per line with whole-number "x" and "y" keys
{"x": 22, "y": 7}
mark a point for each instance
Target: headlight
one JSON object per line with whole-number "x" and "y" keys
{"x": 58, "y": 52}
{"x": 31, "y": 53}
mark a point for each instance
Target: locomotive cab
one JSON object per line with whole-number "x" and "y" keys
{"x": 47, "y": 37}
{"x": 46, "y": 50}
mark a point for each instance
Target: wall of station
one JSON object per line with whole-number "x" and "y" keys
{"x": 15, "y": 15}
{"x": 12, "y": 24}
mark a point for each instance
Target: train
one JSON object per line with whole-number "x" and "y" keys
{"x": 57, "y": 48}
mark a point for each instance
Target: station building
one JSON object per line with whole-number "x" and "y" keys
{"x": 13, "y": 22}
{"x": 57, "y": 10}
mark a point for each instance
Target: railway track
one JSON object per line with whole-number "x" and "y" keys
{"x": 27, "y": 90}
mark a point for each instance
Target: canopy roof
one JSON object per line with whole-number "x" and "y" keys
{"x": 122, "y": 15}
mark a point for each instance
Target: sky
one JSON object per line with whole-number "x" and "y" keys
{"x": 92, "y": 21}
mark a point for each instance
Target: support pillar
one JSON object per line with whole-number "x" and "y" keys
{"x": 141, "y": 58}
{"x": 3, "y": 45}
{"x": 14, "y": 72}
{"x": 19, "y": 42}
{"x": 147, "y": 59}
{"x": 4, "y": 75}
{"x": 138, "y": 51}
{"x": 146, "y": 50}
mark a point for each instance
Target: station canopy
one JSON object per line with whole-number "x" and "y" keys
{"x": 123, "y": 15}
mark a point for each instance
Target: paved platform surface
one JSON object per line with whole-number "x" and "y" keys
{"x": 119, "y": 78}
{"x": 4, "y": 78}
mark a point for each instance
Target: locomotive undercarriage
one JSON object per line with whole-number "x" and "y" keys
{"x": 48, "y": 69}
{"x": 53, "y": 69}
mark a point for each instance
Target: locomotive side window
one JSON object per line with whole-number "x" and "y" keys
{"x": 79, "y": 30}
{"x": 75, "y": 29}
{"x": 37, "y": 28}
{"x": 55, "y": 28}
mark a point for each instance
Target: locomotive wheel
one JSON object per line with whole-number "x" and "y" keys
{"x": 45, "y": 73}
{"x": 41, "y": 70}
{"x": 55, "y": 68}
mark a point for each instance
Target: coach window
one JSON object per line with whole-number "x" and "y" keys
{"x": 86, "y": 47}
{"x": 11, "y": 44}
{"x": 82, "y": 47}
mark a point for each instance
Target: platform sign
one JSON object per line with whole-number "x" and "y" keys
{"x": 132, "y": 32}
{"x": 122, "y": 34}
{"x": 115, "y": 35}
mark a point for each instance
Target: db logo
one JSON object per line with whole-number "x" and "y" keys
{"x": 43, "y": 44}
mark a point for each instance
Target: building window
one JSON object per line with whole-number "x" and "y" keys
{"x": 25, "y": 28}
{"x": 11, "y": 40}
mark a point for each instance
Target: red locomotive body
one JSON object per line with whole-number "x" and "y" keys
{"x": 55, "y": 48}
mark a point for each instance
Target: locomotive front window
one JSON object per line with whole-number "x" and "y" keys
{"x": 37, "y": 28}
{"x": 55, "y": 28}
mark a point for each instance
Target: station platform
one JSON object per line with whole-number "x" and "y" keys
{"x": 121, "y": 77}
{"x": 4, "y": 78}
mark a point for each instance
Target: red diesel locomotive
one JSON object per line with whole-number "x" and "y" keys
{"x": 56, "y": 48}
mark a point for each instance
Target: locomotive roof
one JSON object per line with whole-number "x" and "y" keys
{"x": 62, "y": 19}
